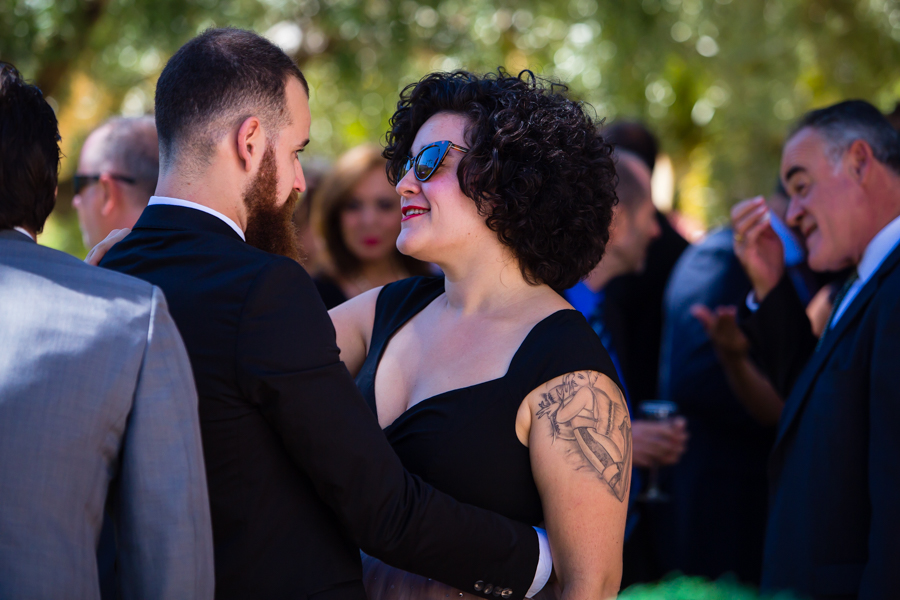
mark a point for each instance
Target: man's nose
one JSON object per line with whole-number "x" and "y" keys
{"x": 299, "y": 179}
{"x": 656, "y": 230}
{"x": 794, "y": 213}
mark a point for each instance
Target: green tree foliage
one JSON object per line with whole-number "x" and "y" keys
{"x": 719, "y": 80}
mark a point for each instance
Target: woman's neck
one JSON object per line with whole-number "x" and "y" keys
{"x": 487, "y": 282}
{"x": 382, "y": 272}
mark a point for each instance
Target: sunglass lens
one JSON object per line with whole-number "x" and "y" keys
{"x": 428, "y": 161}
{"x": 404, "y": 169}
{"x": 77, "y": 184}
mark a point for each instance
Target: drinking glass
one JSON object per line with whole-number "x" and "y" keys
{"x": 659, "y": 411}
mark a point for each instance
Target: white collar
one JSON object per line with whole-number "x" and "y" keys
{"x": 21, "y": 230}
{"x": 878, "y": 249}
{"x": 200, "y": 207}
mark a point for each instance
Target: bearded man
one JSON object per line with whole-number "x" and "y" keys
{"x": 300, "y": 474}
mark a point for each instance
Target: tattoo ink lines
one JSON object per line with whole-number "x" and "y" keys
{"x": 597, "y": 425}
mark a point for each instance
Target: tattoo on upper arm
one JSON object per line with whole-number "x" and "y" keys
{"x": 594, "y": 427}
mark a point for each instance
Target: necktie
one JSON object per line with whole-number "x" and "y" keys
{"x": 851, "y": 279}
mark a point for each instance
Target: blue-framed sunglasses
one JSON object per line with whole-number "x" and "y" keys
{"x": 428, "y": 160}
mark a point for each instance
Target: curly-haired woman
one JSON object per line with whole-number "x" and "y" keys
{"x": 487, "y": 383}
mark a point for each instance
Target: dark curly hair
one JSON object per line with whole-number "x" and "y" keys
{"x": 537, "y": 167}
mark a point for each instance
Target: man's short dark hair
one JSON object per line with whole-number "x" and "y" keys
{"x": 843, "y": 123}
{"x": 635, "y": 138}
{"x": 214, "y": 82}
{"x": 29, "y": 153}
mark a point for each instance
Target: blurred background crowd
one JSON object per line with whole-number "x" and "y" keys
{"x": 717, "y": 80}
{"x": 701, "y": 93}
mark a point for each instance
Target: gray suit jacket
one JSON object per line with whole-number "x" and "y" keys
{"x": 96, "y": 399}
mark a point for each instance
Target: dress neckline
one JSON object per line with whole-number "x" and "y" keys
{"x": 412, "y": 409}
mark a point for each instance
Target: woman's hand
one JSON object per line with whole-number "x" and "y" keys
{"x": 99, "y": 251}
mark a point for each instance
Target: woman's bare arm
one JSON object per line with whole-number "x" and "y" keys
{"x": 353, "y": 321}
{"x": 581, "y": 460}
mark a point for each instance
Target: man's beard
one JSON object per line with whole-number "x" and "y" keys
{"x": 270, "y": 227}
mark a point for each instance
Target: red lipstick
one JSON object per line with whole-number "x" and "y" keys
{"x": 412, "y": 211}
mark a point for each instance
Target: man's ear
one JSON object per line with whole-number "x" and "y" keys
{"x": 250, "y": 143}
{"x": 860, "y": 160}
{"x": 112, "y": 195}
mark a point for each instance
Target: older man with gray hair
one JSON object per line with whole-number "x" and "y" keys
{"x": 117, "y": 173}
{"x": 835, "y": 466}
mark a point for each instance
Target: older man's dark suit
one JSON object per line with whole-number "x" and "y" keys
{"x": 300, "y": 475}
{"x": 834, "y": 518}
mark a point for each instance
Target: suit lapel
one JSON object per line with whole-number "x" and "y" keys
{"x": 799, "y": 393}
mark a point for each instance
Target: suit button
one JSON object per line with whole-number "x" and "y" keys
{"x": 506, "y": 593}
{"x": 488, "y": 588}
{"x": 479, "y": 585}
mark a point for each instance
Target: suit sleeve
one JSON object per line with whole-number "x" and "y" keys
{"x": 780, "y": 335}
{"x": 290, "y": 365}
{"x": 162, "y": 510}
{"x": 881, "y": 573}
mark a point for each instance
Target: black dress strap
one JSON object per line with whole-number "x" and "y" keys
{"x": 562, "y": 343}
{"x": 397, "y": 303}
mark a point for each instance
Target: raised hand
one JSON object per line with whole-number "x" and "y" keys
{"x": 757, "y": 245}
{"x": 723, "y": 331}
{"x": 99, "y": 251}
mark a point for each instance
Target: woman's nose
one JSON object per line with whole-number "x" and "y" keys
{"x": 409, "y": 185}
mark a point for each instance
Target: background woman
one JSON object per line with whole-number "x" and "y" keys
{"x": 487, "y": 383}
{"x": 357, "y": 212}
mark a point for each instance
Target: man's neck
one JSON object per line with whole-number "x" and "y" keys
{"x": 207, "y": 191}
{"x": 602, "y": 274}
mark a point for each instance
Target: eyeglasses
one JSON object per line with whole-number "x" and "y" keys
{"x": 79, "y": 182}
{"x": 428, "y": 160}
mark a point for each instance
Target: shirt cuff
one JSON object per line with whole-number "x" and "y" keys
{"x": 544, "y": 566}
{"x": 752, "y": 303}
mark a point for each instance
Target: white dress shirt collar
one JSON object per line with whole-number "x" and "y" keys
{"x": 200, "y": 207}
{"x": 878, "y": 249}
{"x": 875, "y": 253}
{"x": 21, "y": 230}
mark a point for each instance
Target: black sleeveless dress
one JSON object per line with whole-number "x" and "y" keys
{"x": 463, "y": 442}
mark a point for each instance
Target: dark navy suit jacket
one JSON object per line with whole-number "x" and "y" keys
{"x": 300, "y": 474}
{"x": 834, "y": 520}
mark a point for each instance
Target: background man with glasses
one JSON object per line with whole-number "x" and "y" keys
{"x": 116, "y": 176}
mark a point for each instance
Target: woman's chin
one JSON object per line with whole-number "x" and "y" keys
{"x": 408, "y": 244}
